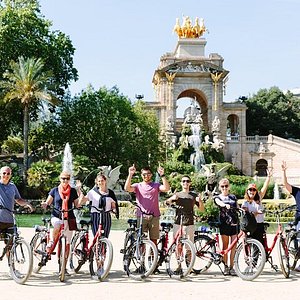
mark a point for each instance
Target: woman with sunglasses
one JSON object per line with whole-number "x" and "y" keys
{"x": 229, "y": 225}
{"x": 185, "y": 202}
{"x": 253, "y": 203}
{"x": 63, "y": 197}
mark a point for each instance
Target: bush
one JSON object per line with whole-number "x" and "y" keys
{"x": 43, "y": 176}
{"x": 13, "y": 144}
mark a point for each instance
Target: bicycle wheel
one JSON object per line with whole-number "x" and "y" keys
{"x": 249, "y": 259}
{"x": 101, "y": 258}
{"x": 205, "y": 247}
{"x": 292, "y": 243}
{"x": 62, "y": 260}
{"x": 20, "y": 261}
{"x": 38, "y": 245}
{"x": 180, "y": 259}
{"x": 78, "y": 252}
{"x": 140, "y": 259}
{"x": 283, "y": 253}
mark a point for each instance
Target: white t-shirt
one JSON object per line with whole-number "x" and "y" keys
{"x": 254, "y": 208}
{"x": 94, "y": 199}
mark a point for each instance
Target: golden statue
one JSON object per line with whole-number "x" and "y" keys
{"x": 187, "y": 30}
{"x": 170, "y": 76}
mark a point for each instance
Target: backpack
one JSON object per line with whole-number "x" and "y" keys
{"x": 248, "y": 222}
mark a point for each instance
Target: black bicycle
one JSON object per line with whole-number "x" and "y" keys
{"x": 139, "y": 253}
{"x": 20, "y": 254}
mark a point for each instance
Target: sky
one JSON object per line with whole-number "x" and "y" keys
{"x": 120, "y": 42}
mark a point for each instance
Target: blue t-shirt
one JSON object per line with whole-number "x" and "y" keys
{"x": 57, "y": 202}
{"x": 12, "y": 194}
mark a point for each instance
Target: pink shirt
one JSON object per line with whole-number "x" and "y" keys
{"x": 147, "y": 197}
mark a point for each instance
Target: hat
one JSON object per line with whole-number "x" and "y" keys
{"x": 252, "y": 185}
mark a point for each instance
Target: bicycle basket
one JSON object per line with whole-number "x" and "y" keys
{"x": 248, "y": 222}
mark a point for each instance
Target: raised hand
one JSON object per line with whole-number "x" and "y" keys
{"x": 132, "y": 170}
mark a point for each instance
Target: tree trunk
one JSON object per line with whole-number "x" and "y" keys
{"x": 25, "y": 132}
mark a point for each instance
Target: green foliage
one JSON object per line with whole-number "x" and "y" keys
{"x": 173, "y": 166}
{"x": 104, "y": 126}
{"x": 211, "y": 211}
{"x": 25, "y": 32}
{"x": 211, "y": 155}
{"x": 43, "y": 176}
{"x": 13, "y": 144}
{"x": 273, "y": 111}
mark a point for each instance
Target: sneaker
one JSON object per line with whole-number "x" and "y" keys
{"x": 156, "y": 271}
{"x": 178, "y": 271}
{"x": 226, "y": 271}
{"x": 297, "y": 269}
{"x": 100, "y": 272}
{"x": 232, "y": 272}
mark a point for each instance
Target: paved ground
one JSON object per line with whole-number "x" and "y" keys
{"x": 210, "y": 285}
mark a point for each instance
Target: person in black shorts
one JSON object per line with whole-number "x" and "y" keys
{"x": 229, "y": 225}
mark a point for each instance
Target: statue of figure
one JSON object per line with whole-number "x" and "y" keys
{"x": 188, "y": 118}
{"x": 169, "y": 123}
{"x": 217, "y": 143}
{"x": 198, "y": 119}
{"x": 216, "y": 124}
{"x": 261, "y": 148}
{"x": 206, "y": 140}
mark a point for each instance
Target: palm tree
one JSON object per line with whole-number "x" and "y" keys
{"x": 28, "y": 83}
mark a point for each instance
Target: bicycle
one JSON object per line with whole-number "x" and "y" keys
{"x": 43, "y": 254}
{"x": 180, "y": 255}
{"x": 293, "y": 237}
{"x": 139, "y": 253}
{"x": 20, "y": 254}
{"x": 249, "y": 259}
{"x": 99, "y": 253}
{"x": 282, "y": 245}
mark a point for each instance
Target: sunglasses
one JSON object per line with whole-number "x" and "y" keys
{"x": 65, "y": 178}
{"x": 224, "y": 186}
{"x": 5, "y": 173}
{"x": 146, "y": 174}
{"x": 187, "y": 181}
{"x": 252, "y": 190}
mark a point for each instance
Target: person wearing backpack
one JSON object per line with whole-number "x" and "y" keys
{"x": 229, "y": 222}
{"x": 253, "y": 204}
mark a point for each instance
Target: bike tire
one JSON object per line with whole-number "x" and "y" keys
{"x": 180, "y": 266}
{"x": 249, "y": 259}
{"x": 205, "y": 248}
{"x": 101, "y": 258}
{"x": 78, "y": 252}
{"x": 62, "y": 258}
{"x": 129, "y": 239}
{"x": 284, "y": 260}
{"x": 140, "y": 266}
{"x": 20, "y": 261}
{"x": 292, "y": 244}
{"x": 38, "y": 245}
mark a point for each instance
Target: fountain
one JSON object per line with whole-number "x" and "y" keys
{"x": 68, "y": 163}
{"x": 276, "y": 192}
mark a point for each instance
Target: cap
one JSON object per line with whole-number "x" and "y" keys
{"x": 252, "y": 185}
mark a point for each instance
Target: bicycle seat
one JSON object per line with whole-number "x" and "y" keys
{"x": 166, "y": 226}
{"x": 132, "y": 222}
{"x": 85, "y": 223}
{"x": 39, "y": 228}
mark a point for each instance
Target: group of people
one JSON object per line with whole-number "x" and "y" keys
{"x": 64, "y": 198}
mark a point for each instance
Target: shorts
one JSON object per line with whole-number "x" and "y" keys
{"x": 56, "y": 222}
{"x": 151, "y": 227}
{"x": 188, "y": 231}
{"x": 229, "y": 230}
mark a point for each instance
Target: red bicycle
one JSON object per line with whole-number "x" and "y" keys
{"x": 42, "y": 254}
{"x": 282, "y": 245}
{"x": 249, "y": 259}
{"x": 99, "y": 253}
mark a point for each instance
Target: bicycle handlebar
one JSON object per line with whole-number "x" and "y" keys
{"x": 141, "y": 210}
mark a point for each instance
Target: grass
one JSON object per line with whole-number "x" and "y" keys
{"x": 24, "y": 220}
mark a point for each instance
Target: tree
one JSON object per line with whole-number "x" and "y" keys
{"x": 272, "y": 111}
{"x": 24, "y": 31}
{"x": 106, "y": 127}
{"x": 28, "y": 83}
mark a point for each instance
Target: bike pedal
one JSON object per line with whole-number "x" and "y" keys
{"x": 122, "y": 251}
{"x": 53, "y": 253}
